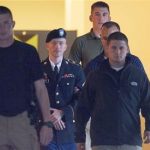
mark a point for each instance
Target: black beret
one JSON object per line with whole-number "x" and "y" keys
{"x": 57, "y": 33}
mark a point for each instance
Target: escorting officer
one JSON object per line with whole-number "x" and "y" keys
{"x": 20, "y": 67}
{"x": 64, "y": 80}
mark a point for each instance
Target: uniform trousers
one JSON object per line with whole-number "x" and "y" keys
{"x": 55, "y": 146}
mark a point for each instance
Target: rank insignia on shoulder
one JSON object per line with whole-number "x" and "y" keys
{"x": 66, "y": 62}
{"x": 73, "y": 62}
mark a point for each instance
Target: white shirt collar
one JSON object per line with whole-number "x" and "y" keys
{"x": 53, "y": 65}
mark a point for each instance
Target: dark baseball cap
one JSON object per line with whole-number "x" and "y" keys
{"x": 56, "y": 33}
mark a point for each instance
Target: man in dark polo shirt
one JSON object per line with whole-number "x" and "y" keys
{"x": 89, "y": 45}
{"x": 19, "y": 68}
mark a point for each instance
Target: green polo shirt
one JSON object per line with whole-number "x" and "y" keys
{"x": 85, "y": 48}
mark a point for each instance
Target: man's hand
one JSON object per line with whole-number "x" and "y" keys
{"x": 146, "y": 137}
{"x": 46, "y": 135}
{"x": 56, "y": 114}
{"x": 59, "y": 125}
{"x": 80, "y": 146}
{"x": 56, "y": 118}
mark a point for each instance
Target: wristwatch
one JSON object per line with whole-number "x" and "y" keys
{"x": 49, "y": 124}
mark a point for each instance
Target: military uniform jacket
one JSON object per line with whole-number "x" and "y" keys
{"x": 63, "y": 95}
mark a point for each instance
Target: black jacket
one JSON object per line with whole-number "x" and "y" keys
{"x": 63, "y": 95}
{"x": 113, "y": 100}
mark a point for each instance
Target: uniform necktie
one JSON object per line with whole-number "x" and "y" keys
{"x": 56, "y": 72}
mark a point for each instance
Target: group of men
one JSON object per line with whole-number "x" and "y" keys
{"x": 111, "y": 87}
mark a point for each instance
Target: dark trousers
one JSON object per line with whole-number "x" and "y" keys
{"x": 55, "y": 146}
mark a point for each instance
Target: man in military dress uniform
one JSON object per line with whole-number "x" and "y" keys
{"x": 64, "y": 80}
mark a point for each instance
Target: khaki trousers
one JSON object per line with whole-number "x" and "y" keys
{"x": 121, "y": 147}
{"x": 17, "y": 133}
